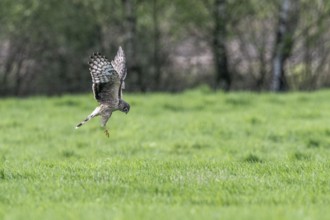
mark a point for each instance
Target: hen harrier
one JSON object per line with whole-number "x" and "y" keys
{"x": 108, "y": 83}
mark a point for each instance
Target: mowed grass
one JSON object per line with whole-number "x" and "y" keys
{"x": 194, "y": 155}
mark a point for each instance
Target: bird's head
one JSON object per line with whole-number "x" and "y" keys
{"x": 124, "y": 106}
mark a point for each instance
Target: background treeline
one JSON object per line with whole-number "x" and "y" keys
{"x": 170, "y": 45}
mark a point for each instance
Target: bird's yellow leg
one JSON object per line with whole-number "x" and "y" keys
{"x": 106, "y": 132}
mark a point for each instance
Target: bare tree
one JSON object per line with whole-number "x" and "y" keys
{"x": 288, "y": 20}
{"x": 156, "y": 52}
{"x": 223, "y": 78}
{"x": 133, "y": 64}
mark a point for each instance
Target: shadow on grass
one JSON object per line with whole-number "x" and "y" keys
{"x": 252, "y": 158}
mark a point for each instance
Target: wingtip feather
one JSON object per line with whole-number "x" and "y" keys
{"x": 120, "y": 50}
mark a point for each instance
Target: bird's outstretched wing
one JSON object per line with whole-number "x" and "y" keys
{"x": 106, "y": 80}
{"x": 119, "y": 64}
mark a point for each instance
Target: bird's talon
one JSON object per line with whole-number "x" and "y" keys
{"x": 106, "y": 133}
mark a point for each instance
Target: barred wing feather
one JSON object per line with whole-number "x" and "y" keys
{"x": 119, "y": 64}
{"x": 106, "y": 81}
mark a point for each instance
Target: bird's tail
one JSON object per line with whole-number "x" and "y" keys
{"x": 84, "y": 121}
{"x": 89, "y": 117}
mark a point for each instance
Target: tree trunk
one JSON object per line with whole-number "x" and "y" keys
{"x": 288, "y": 20}
{"x": 223, "y": 78}
{"x": 133, "y": 65}
{"x": 156, "y": 58}
{"x": 6, "y": 72}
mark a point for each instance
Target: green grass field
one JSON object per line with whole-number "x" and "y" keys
{"x": 195, "y": 155}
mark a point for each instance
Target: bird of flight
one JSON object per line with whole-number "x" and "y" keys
{"x": 108, "y": 83}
